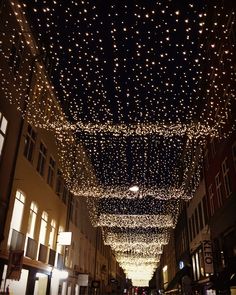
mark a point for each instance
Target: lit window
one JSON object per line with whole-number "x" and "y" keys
{"x": 43, "y": 228}
{"x": 51, "y": 172}
{"x": 29, "y": 143}
{"x": 194, "y": 268}
{"x": 32, "y": 219}
{"x": 197, "y": 265}
{"x": 42, "y": 159}
{"x": 17, "y": 214}
{"x": 226, "y": 178}
{"x": 201, "y": 261}
{"x": 211, "y": 196}
{"x": 218, "y": 190}
{"x": 165, "y": 275}
{"x": 3, "y": 129}
{"x": 52, "y": 233}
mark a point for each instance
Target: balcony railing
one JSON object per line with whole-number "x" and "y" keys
{"x": 17, "y": 240}
{"x": 52, "y": 257}
{"x": 43, "y": 253}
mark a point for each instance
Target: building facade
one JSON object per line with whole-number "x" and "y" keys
{"x": 48, "y": 244}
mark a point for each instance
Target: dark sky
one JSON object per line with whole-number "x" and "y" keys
{"x": 125, "y": 62}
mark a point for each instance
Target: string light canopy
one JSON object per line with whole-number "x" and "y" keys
{"x": 111, "y": 220}
{"x": 141, "y": 86}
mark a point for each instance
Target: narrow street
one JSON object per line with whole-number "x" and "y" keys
{"x": 117, "y": 147}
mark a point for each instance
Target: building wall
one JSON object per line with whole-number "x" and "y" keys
{"x": 25, "y": 83}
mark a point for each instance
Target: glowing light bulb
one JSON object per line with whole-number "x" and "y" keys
{"x": 134, "y": 188}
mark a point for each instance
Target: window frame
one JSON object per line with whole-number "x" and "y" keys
{"x": 211, "y": 199}
{"x": 51, "y": 171}
{"x": 226, "y": 179}
{"x": 219, "y": 193}
{"x": 3, "y": 133}
{"x": 30, "y": 143}
{"x": 42, "y": 159}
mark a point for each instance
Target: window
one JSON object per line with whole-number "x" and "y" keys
{"x": 59, "y": 183}
{"x": 76, "y": 213}
{"x": 71, "y": 208}
{"x": 43, "y": 228}
{"x": 218, "y": 189}
{"x": 64, "y": 196}
{"x": 51, "y": 172}
{"x": 234, "y": 154}
{"x": 3, "y": 129}
{"x": 17, "y": 214}
{"x": 52, "y": 233}
{"x": 32, "y": 219}
{"x": 197, "y": 265}
{"x": 204, "y": 203}
{"x": 165, "y": 275}
{"x": 194, "y": 268}
{"x": 226, "y": 178}
{"x": 193, "y": 226}
{"x": 211, "y": 195}
{"x": 196, "y": 221}
{"x": 190, "y": 229}
{"x": 42, "y": 159}
{"x": 29, "y": 143}
{"x": 200, "y": 215}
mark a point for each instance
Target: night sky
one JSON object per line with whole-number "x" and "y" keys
{"x": 125, "y": 62}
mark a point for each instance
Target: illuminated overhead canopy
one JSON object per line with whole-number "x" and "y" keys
{"x": 140, "y": 85}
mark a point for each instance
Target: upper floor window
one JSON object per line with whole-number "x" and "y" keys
{"x": 205, "y": 211}
{"x": 52, "y": 233}
{"x": 32, "y": 219}
{"x": 71, "y": 208}
{"x": 43, "y": 228}
{"x": 211, "y": 198}
{"x": 234, "y": 154}
{"x": 196, "y": 221}
{"x": 76, "y": 213}
{"x": 193, "y": 226}
{"x": 165, "y": 275}
{"x": 51, "y": 171}
{"x": 42, "y": 159}
{"x": 17, "y": 214}
{"x": 200, "y": 215}
{"x": 65, "y": 195}
{"x": 30, "y": 140}
{"x": 226, "y": 178}
{"x": 59, "y": 183}
{"x": 218, "y": 189}
{"x": 190, "y": 229}
{"x": 3, "y": 130}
